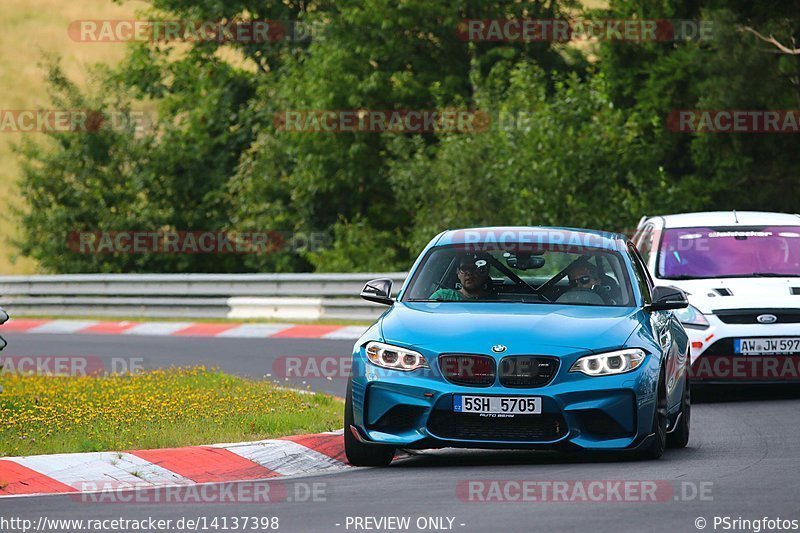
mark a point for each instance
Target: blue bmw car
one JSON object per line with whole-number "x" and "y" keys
{"x": 521, "y": 337}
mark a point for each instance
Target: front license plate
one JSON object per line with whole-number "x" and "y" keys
{"x": 770, "y": 345}
{"x": 508, "y": 405}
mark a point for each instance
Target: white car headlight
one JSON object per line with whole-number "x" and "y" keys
{"x": 606, "y": 364}
{"x": 394, "y": 357}
{"x": 692, "y": 317}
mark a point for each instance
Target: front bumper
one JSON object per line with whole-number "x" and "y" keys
{"x": 415, "y": 410}
{"x": 713, "y": 360}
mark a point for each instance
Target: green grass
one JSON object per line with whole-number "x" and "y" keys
{"x": 153, "y": 409}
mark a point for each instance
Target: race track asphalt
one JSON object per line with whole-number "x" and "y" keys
{"x": 742, "y": 462}
{"x": 246, "y": 357}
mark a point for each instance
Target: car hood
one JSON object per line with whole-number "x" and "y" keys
{"x": 523, "y": 328}
{"x": 708, "y": 295}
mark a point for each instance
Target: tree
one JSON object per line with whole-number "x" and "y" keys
{"x": 733, "y": 70}
{"x": 570, "y": 158}
{"x": 215, "y": 160}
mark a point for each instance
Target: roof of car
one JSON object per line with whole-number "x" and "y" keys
{"x": 729, "y": 218}
{"x": 533, "y": 234}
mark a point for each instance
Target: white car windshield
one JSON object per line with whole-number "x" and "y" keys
{"x": 688, "y": 253}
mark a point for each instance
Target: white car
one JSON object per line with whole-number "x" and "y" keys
{"x": 741, "y": 272}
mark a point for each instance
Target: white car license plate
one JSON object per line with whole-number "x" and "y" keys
{"x": 509, "y": 405}
{"x": 770, "y": 345}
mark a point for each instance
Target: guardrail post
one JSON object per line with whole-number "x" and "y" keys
{"x": 3, "y": 319}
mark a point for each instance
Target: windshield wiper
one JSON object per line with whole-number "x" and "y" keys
{"x": 773, "y": 275}
{"x": 428, "y": 300}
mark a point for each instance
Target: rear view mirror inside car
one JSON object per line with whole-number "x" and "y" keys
{"x": 525, "y": 261}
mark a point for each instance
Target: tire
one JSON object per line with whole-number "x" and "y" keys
{"x": 679, "y": 438}
{"x": 659, "y": 428}
{"x": 358, "y": 453}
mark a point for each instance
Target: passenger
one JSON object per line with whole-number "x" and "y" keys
{"x": 585, "y": 276}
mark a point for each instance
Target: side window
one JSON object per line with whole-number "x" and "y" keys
{"x": 641, "y": 274}
{"x": 644, "y": 242}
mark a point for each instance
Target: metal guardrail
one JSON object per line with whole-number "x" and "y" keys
{"x": 272, "y": 296}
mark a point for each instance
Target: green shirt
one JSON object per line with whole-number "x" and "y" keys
{"x": 447, "y": 294}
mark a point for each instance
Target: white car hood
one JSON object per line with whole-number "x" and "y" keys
{"x": 746, "y": 293}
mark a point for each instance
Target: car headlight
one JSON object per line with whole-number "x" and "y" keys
{"x": 606, "y": 364}
{"x": 692, "y": 317}
{"x": 394, "y": 357}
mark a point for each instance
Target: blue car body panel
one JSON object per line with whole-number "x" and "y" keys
{"x": 624, "y": 402}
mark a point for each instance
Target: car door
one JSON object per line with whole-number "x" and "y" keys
{"x": 669, "y": 333}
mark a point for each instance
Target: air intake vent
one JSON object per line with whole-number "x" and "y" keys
{"x": 544, "y": 427}
{"x": 477, "y": 370}
{"x": 796, "y": 291}
{"x": 751, "y": 316}
{"x": 527, "y": 371}
{"x": 723, "y": 292}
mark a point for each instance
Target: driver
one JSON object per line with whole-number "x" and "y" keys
{"x": 473, "y": 274}
{"x": 773, "y": 255}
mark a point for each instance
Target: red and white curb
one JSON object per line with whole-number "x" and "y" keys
{"x": 185, "y": 329}
{"x": 172, "y": 467}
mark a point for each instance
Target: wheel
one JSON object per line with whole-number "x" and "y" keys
{"x": 358, "y": 453}
{"x": 659, "y": 429}
{"x": 679, "y": 438}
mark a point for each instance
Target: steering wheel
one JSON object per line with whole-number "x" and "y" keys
{"x": 610, "y": 289}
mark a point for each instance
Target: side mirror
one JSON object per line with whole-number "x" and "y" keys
{"x": 378, "y": 291}
{"x": 667, "y": 298}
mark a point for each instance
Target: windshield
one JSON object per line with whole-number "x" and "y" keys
{"x": 688, "y": 253}
{"x": 577, "y": 276}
